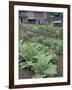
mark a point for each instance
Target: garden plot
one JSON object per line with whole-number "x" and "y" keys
{"x": 40, "y": 51}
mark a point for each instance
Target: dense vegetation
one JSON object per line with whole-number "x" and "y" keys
{"x": 39, "y": 46}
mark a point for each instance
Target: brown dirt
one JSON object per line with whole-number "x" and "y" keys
{"x": 60, "y": 66}
{"x": 25, "y": 73}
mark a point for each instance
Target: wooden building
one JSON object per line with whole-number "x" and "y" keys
{"x": 31, "y": 17}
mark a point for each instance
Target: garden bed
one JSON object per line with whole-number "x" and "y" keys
{"x": 38, "y": 43}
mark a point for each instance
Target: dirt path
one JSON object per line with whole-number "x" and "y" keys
{"x": 60, "y": 66}
{"x": 25, "y": 74}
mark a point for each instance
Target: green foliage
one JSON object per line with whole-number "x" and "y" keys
{"x": 55, "y": 44}
{"x": 39, "y": 58}
{"x": 40, "y": 30}
{"x": 39, "y": 46}
{"x": 27, "y": 51}
{"x": 51, "y": 70}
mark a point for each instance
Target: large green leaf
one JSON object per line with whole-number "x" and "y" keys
{"x": 51, "y": 70}
{"x": 42, "y": 63}
{"x": 27, "y": 51}
{"x": 23, "y": 65}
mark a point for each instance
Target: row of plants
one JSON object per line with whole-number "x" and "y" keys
{"x": 39, "y": 47}
{"x": 52, "y": 43}
{"x": 30, "y": 29}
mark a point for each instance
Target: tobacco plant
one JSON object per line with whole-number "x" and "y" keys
{"x": 39, "y": 58}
